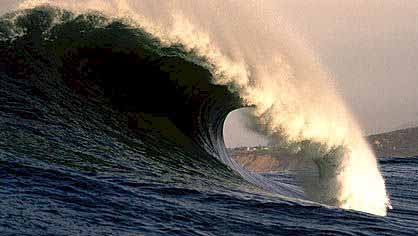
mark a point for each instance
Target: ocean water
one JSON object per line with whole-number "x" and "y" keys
{"x": 105, "y": 130}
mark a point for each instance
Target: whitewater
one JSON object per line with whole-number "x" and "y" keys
{"x": 112, "y": 116}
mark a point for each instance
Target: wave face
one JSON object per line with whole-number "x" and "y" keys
{"x": 206, "y": 69}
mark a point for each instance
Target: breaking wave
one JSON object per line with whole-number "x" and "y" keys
{"x": 177, "y": 73}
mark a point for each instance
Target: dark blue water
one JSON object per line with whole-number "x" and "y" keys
{"x": 87, "y": 149}
{"x": 97, "y": 184}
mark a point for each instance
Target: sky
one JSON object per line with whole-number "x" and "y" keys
{"x": 370, "y": 48}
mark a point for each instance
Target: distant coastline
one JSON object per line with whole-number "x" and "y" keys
{"x": 399, "y": 143}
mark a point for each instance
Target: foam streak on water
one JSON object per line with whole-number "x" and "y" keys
{"x": 257, "y": 54}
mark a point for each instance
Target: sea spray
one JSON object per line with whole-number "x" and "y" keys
{"x": 274, "y": 71}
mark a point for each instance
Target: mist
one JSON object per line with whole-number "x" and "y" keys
{"x": 371, "y": 50}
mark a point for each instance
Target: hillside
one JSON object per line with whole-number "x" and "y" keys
{"x": 256, "y": 159}
{"x": 400, "y": 143}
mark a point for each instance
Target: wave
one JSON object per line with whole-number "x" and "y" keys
{"x": 181, "y": 78}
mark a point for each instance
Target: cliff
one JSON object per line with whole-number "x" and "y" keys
{"x": 257, "y": 162}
